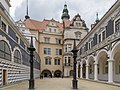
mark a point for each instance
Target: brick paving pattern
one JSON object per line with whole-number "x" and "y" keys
{"x": 60, "y": 84}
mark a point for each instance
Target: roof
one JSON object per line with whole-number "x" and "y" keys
{"x": 38, "y": 25}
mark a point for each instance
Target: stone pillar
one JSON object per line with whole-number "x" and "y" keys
{"x": 87, "y": 71}
{"x": 81, "y": 71}
{"x": 96, "y": 71}
{"x": 110, "y": 70}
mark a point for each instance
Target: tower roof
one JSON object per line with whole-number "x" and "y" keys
{"x": 97, "y": 19}
{"x": 65, "y": 13}
{"x": 27, "y": 16}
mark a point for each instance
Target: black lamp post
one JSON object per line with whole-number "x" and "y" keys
{"x": 31, "y": 49}
{"x": 74, "y": 51}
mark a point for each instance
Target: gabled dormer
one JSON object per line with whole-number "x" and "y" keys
{"x": 78, "y": 22}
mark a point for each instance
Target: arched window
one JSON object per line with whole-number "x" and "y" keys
{"x": 5, "y": 51}
{"x": 17, "y": 57}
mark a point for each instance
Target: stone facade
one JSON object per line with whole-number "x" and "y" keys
{"x": 98, "y": 56}
{"x": 14, "y": 56}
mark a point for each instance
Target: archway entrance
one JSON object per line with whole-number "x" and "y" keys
{"x": 71, "y": 72}
{"x": 102, "y": 65}
{"x": 46, "y": 73}
{"x": 91, "y": 67}
{"x": 57, "y": 73}
{"x": 116, "y": 63}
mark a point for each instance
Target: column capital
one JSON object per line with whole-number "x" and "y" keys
{"x": 95, "y": 63}
{"x": 87, "y": 65}
{"x": 110, "y": 60}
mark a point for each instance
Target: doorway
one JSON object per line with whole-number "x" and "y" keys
{"x": 4, "y": 77}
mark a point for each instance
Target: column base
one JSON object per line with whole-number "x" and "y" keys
{"x": 74, "y": 83}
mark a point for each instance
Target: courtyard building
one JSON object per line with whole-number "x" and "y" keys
{"x": 14, "y": 55}
{"x": 54, "y": 42}
{"x": 99, "y": 51}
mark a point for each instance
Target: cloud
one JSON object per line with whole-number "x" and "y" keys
{"x": 40, "y": 9}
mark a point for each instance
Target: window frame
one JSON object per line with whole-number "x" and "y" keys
{"x": 5, "y": 51}
{"x": 17, "y": 57}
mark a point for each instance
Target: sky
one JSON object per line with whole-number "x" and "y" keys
{"x": 48, "y": 9}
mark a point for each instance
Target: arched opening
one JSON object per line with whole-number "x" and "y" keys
{"x": 102, "y": 66}
{"x": 84, "y": 69}
{"x": 71, "y": 72}
{"x": 17, "y": 57}
{"x": 116, "y": 63}
{"x": 46, "y": 73}
{"x": 91, "y": 67}
{"x": 5, "y": 52}
{"x": 57, "y": 73}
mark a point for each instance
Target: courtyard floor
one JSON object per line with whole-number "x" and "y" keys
{"x": 60, "y": 84}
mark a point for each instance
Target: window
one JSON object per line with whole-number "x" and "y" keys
{"x": 58, "y": 51}
{"x": 17, "y": 57}
{"x": 57, "y": 61}
{"x": 47, "y": 51}
{"x": 48, "y": 61}
{"x": 5, "y": 51}
{"x": 65, "y": 61}
{"x": 65, "y": 48}
{"x": 46, "y": 40}
{"x": 58, "y": 41}
{"x": 117, "y": 25}
{"x": 89, "y": 45}
{"x": 69, "y": 48}
{"x": 50, "y": 29}
{"x": 68, "y": 61}
{"x": 17, "y": 39}
{"x": 54, "y": 30}
{"x": 3, "y": 26}
{"x": 99, "y": 38}
{"x": 103, "y": 35}
{"x": 78, "y": 24}
{"x": 77, "y": 36}
{"x": 92, "y": 43}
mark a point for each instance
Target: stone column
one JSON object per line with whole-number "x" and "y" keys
{"x": 81, "y": 71}
{"x": 110, "y": 70}
{"x": 87, "y": 71}
{"x": 96, "y": 71}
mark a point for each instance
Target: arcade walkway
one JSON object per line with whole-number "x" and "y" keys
{"x": 60, "y": 84}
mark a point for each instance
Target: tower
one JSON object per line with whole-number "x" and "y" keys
{"x": 97, "y": 19}
{"x": 27, "y": 17}
{"x": 65, "y": 13}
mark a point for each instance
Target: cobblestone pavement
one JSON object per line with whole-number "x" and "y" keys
{"x": 60, "y": 84}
